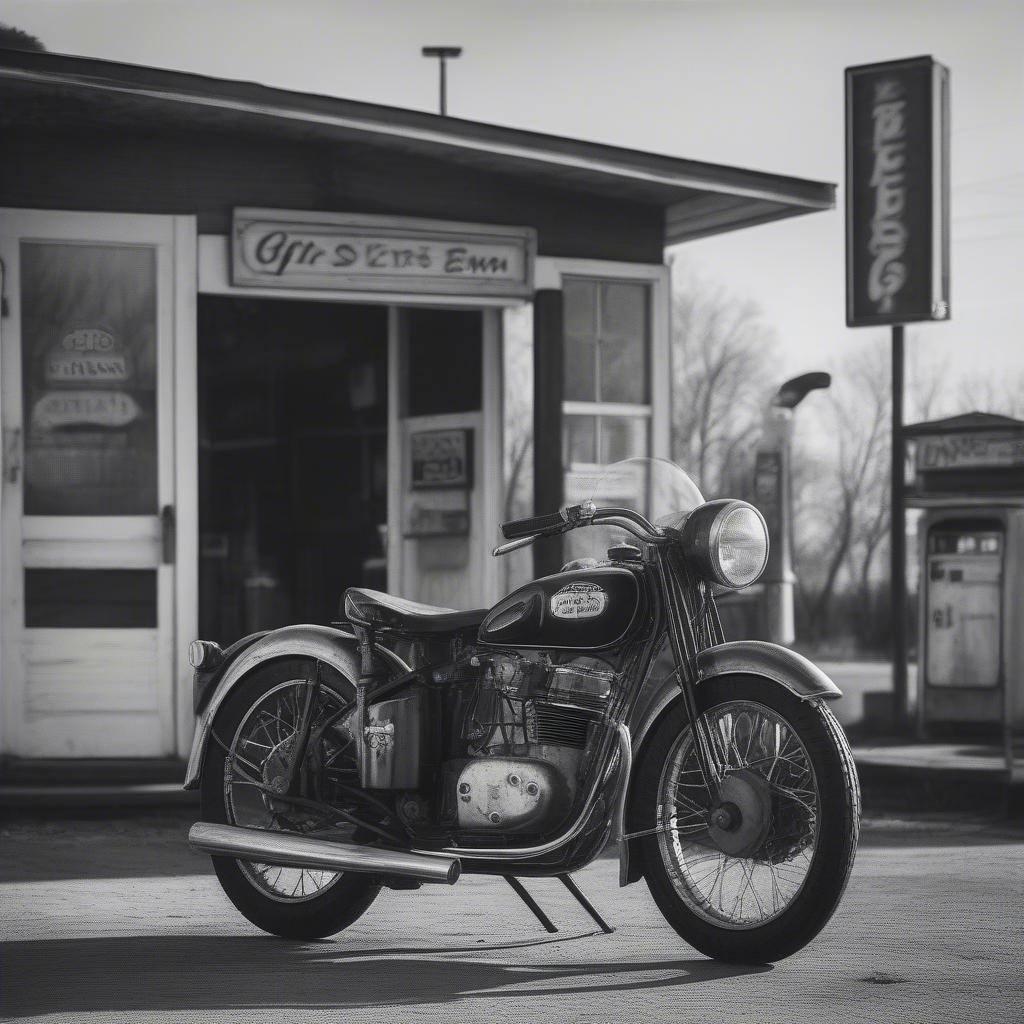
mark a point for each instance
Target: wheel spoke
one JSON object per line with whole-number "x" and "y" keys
{"x": 263, "y": 748}
{"x": 770, "y": 773}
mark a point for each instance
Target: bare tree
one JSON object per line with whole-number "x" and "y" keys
{"x": 988, "y": 392}
{"x": 928, "y": 379}
{"x": 848, "y": 494}
{"x": 722, "y": 368}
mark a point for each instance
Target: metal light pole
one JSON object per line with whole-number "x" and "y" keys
{"x": 443, "y": 53}
{"x": 773, "y": 490}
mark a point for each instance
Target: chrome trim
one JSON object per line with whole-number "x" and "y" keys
{"x": 529, "y": 852}
{"x": 514, "y": 545}
{"x": 620, "y": 806}
{"x": 293, "y": 850}
{"x": 328, "y": 645}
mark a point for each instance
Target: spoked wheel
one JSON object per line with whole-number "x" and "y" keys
{"x": 249, "y": 780}
{"x": 753, "y": 874}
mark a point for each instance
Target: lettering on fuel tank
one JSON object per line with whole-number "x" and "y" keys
{"x": 579, "y": 601}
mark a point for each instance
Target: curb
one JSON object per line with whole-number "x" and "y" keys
{"x": 916, "y": 787}
{"x": 148, "y": 795}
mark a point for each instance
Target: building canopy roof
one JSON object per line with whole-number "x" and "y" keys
{"x": 966, "y": 423}
{"x": 53, "y": 91}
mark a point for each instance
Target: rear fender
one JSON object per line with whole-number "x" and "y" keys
{"x": 333, "y": 647}
{"x": 776, "y": 665}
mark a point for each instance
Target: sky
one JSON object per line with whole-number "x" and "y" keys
{"x": 757, "y": 85}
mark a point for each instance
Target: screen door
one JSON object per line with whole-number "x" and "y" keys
{"x": 88, "y": 484}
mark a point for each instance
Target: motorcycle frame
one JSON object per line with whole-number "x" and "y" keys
{"x": 362, "y": 658}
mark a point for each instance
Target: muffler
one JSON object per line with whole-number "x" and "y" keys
{"x": 287, "y": 849}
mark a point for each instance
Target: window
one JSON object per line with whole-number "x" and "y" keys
{"x": 607, "y": 399}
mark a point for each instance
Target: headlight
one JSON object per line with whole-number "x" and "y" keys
{"x": 727, "y": 542}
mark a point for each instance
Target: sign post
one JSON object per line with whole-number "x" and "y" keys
{"x": 897, "y": 249}
{"x": 898, "y": 539}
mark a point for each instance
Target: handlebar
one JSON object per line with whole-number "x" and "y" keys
{"x": 533, "y": 525}
{"x": 521, "y": 532}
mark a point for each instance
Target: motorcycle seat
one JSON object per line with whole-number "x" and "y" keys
{"x": 383, "y": 611}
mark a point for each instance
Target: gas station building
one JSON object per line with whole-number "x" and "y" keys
{"x": 259, "y": 346}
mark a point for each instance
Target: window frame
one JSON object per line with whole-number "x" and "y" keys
{"x": 552, "y": 272}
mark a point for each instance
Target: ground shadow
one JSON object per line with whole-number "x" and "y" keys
{"x": 183, "y": 973}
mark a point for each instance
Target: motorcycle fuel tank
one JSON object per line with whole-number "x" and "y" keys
{"x": 582, "y": 609}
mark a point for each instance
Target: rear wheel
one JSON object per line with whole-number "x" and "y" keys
{"x": 244, "y": 783}
{"x": 755, "y": 874}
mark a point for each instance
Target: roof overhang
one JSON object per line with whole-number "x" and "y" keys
{"x": 43, "y": 90}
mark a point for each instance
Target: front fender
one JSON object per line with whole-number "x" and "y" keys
{"x": 322, "y": 643}
{"x": 771, "y": 662}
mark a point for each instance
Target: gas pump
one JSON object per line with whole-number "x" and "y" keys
{"x": 969, "y": 480}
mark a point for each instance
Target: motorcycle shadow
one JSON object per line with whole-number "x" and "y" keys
{"x": 194, "y": 973}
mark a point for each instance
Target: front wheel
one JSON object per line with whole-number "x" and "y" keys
{"x": 753, "y": 875}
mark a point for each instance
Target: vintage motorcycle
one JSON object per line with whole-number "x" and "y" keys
{"x": 413, "y": 743}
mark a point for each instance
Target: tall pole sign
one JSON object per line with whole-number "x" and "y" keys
{"x": 897, "y": 248}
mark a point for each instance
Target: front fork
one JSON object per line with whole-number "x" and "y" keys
{"x": 685, "y": 646}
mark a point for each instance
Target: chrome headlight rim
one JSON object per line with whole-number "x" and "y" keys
{"x": 702, "y": 540}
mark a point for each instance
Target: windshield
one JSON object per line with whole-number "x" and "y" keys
{"x": 656, "y": 488}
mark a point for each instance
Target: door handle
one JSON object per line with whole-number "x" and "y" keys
{"x": 168, "y": 534}
{"x": 12, "y": 454}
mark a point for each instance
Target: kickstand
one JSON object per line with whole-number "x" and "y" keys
{"x": 586, "y": 904}
{"x": 520, "y": 890}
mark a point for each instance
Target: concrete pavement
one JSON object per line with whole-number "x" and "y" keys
{"x": 117, "y": 921}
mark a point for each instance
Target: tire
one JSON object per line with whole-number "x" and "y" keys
{"x": 681, "y": 892}
{"x": 345, "y": 899}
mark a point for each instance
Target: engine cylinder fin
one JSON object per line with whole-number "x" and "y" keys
{"x": 561, "y": 726}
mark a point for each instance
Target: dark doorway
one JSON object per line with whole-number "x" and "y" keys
{"x": 293, "y": 473}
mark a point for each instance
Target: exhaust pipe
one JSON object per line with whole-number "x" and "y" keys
{"x": 287, "y": 849}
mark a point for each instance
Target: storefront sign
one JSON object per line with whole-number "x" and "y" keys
{"x": 89, "y": 339}
{"x": 348, "y": 252}
{"x": 969, "y": 451}
{"x": 897, "y": 192}
{"x": 441, "y": 459}
{"x": 87, "y": 366}
{"x": 80, "y": 408}
{"x": 425, "y": 520}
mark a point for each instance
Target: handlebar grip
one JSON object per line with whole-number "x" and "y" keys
{"x": 532, "y": 525}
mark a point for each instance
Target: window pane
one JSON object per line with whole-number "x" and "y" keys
{"x": 90, "y": 598}
{"x": 89, "y": 378}
{"x": 622, "y": 437}
{"x": 623, "y": 309}
{"x": 624, "y": 375}
{"x": 580, "y": 307}
{"x": 580, "y": 384}
{"x": 581, "y": 440}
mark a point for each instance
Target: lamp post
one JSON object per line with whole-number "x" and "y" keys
{"x": 443, "y": 54}
{"x": 773, "y": 494}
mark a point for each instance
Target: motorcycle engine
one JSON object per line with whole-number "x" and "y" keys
{"x": 526, "y": 726}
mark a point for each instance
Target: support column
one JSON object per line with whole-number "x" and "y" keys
{"x": 898, "y": 540}
{"x": 548, "y": 474}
